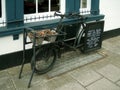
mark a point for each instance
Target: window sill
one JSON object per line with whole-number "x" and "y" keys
{"x": 4, "y": 31}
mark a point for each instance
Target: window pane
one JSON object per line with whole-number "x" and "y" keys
{"x": 43, "y": 5}
{"x": 29, "y": 6}
{"x": 84, "y": 4}
{"x": 0, "y": 9}
{"x": 54, "y": 5}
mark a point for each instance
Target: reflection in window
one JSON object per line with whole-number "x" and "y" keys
{"x": 54, "y": 5}
{"x": 43, "y": 5}
{"x": 29, "y": 6}
{"x": 0, "y": 9}
{"x": 83, "y": 3}
{"x": 37, "y": 6}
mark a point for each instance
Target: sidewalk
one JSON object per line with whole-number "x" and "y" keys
{"x": 103, "y": 74}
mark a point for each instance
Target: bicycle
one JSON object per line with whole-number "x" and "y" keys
{"x": 45, "y": 52}
{"x": 45, "y": 55}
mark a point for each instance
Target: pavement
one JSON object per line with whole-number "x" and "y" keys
{"x": 102, "y": 74}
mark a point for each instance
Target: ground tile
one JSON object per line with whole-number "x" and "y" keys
{"x": 111, "y": 72}
{"x": 22, "y": 83}
{"x": 16, "y": 70}
{"x": 103, "y": 84}
{"x": 118, "y": 83}
{"x": 6, "y": 84}
{"x": 3, "y": 74}
{"x": 85, "y": 76}
{"x": 61, "y": 83}
{"x": 112, "y": 48}
{"x": 5, "y": 81}
{"x": 72, "y": 63}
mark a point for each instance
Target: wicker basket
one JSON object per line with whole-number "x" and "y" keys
{"x": 47, "y": 35}
{"x": 38, "y": 41}
{"x": 51, "y": 38}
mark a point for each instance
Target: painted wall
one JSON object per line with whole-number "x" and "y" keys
{"x": 8, "y": 45}
{"x": 111, "y": 9}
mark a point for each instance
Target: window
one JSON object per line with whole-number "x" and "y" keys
{"x": 85, "y": 6}
{"x": 39, "y": 10}
{"x": 38, "y": 6}
{"x": 83, "y": 3}
{"x": 29, "y": 6}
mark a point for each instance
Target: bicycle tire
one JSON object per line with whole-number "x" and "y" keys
{"x": 45, "y": 54}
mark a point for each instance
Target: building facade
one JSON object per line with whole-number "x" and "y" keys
{"x": 17, "y": 14}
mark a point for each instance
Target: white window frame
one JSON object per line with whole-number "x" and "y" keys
{"x": 88, "y": 7}
{"x": 41, "y": 14}
{"x": 3, "y": 14}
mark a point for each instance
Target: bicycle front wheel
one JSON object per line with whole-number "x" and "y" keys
{"x": 44, "y": 60}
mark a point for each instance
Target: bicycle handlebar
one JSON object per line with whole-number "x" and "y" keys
{"x": 59, "y": 14}
{"x": 70, "y": 15}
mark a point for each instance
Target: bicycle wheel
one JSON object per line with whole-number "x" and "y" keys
{"x": 44, "y": 60}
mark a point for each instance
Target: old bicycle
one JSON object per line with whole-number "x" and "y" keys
{"x": 47, "y": 48}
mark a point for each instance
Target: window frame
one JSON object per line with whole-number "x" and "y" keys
{"x": 27, "y": 17}
{"x": 88, "y": 7}
{"x": 3, "y": 14}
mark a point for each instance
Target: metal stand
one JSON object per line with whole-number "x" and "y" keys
{"x": 22, "y": 65}
{"x": 24, "y": 57}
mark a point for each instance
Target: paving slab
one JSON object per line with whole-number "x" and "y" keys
{"x": 71, "y": 63}
{"x": 108, "y": 45}
{"x": 15, "y": 70}
{"x": 111, "y": 72}
{"x": 63, "y": 82}
{"x": 118, "y": 83}
{"x": 21, "y": 84}
{"x": 85, "y": 76}
{"x": 6, "y": 82}
{"x": 103, "y": 84}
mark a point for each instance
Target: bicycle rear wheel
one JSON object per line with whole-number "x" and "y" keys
{"x": 45, "y": 58}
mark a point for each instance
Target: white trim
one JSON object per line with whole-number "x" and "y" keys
{"x": 88, "y": 4}
{"x": 36, "y": 6}
{"x": 37, "y": 15}
{"x": 49, "y": 5}
{"x": 62, "y": 6}
{"x": 3, "y": 14}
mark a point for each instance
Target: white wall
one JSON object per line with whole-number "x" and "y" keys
{"x": 8, "y": 45}
{"x": 111, "y": 9}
